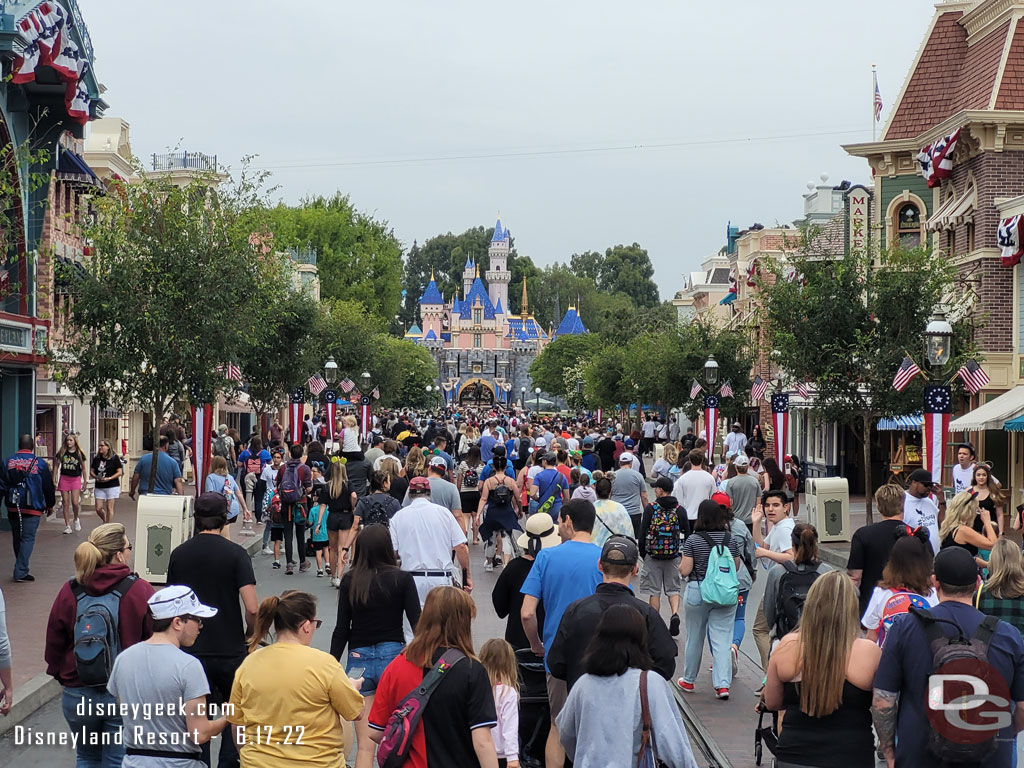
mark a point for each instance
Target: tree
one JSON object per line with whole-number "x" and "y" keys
{"x": 624, "y": 269}
{"x": 358, "y": 257}
{"x": 848, "y": 325}
{"x": 547, "y": 370}
{"x": 169, "y": 292}
{"x": 445, "y": 257}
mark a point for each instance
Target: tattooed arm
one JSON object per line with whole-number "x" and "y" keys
{"x": 884, "y": 708}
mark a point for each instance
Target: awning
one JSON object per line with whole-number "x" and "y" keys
{"x": 1015, "y": 425}
{"x": 955, "y": 211}
{"x": 993, "y": 414}
{"x": 899, "y": 423}
{"x": 73, "y": 167}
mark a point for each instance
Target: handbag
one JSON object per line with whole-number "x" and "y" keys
{"x": 647, "y": 757}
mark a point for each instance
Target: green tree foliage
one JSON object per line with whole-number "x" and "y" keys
{"x": 624, "y": 269}
{"x": 358, "y": 257}
{"x": 848, "y": 329}
{"x": 547, "y": 370}
{"x": 445, "y": 256}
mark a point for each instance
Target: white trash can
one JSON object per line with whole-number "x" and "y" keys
{"x": 161, "y": 524}
{"x": 827, "y": 501}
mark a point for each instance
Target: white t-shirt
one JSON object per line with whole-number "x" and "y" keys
{"x": 424, "y": 535}
{"x": 650, "y": 428}
{"x": 919, "y": 513}
{"x": 962, "y": 477}
{"x": 735, "y": 442}
{"x": 692, "y": 488}
{"x": 779, "y": 539}
{"x": 873, "y": 613}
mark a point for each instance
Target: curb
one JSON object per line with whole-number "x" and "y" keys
{"x": 42, "y": 689}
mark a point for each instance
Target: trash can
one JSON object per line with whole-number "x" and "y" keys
{"x": 659, "y": 451}
{"x": 161, "y": 524}
{"x": 827, "y": 500}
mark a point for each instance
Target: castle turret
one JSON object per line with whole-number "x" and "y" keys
{"x": 498, "y": 276}
{"x": 468, "y": 273}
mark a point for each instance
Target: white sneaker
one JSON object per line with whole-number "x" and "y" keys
{"x": 78, "y": 524}
{"x": 488, "y": 566}
{"x": 267, "y": 551}
{"x": 67, "y": 529}
{"x": 335, "y": 581}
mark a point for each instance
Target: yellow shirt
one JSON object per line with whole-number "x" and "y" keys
{"x": 288, "y": 697}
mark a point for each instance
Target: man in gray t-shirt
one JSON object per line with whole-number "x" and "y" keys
{"x": 154, "y": 681}
{"x": 743, "y": 490}
{"x": 442, "y": 492}
{"x": 629, "y": 488}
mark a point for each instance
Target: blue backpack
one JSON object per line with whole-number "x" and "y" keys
{"x": 721, "y": 585}
{"x": 96, "y": 638}
{"x": 27, "y": 493}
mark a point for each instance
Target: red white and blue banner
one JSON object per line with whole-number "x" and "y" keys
{"x": 734, "y": 289}
{"x": 600, "y": 415}
{"x": 780, "y": 424}
{"x": 1011, "y": 244}
{"x": 295, "y": 409}
{"x": 365, "y": 421}
{"x": 935, "y": 427}
{"x": 47, "y": 42}
{"x": 331, "y": 403}
{"x": 202, "y": 443}
{"x": 711, "y": 423}
{"x": 936, "y": 159}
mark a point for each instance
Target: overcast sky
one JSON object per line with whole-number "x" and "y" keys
{"x": 436, "y": 116}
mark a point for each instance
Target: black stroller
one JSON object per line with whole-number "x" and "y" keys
{"x": 765, "y": 735}
{"x": 534, "y": 712}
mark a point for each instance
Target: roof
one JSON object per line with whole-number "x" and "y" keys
{"x": 500, "y": 234}
{"x": 993, "y": 414}
{"x": 478, "y": 292}
{"x": 524, "y": 329}
{"x": 414, "y": 330}
{"x": 431, "y": 295}
{"x": 571, "y": 324}
{"x": 960, "y": 67}
{"x": 719, "y": 275}
{"x": 431, "y": 336}
{"x": 498, "y": 308}
{"x": 831, "y": 237}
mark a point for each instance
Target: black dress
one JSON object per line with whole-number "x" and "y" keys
{"x": 842, "y": 739}
{"x": 977, "y": 525}
{"x": 508, "y": 601}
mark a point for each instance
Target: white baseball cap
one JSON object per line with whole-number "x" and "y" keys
{"x": 626, "y": 458}
{"x": 541, "y": 442}
{"x": 171, "y": 602}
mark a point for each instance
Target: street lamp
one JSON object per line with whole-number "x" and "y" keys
{"x": 366, "y": 378}
{"x": 522, "y": 397}
{"x": 711, "y": 371}
{"x": 938, "y": 340}
{"x": 331, "y": 370}
{"x": 579, "y": 386}
{"x": 537, "y": 392}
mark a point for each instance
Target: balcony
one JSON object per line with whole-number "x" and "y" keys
{"x": 303, "y": 255}
{"x": 187, "y": 161}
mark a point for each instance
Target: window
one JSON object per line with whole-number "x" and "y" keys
{"x": 476, "y": 340}
{"x": 478, "y": 315}
{"x": 908, "y": 226}
{"x": 970, "y": 236}
{"x": 951, "y": 242}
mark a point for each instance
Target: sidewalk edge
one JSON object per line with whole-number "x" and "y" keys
{"x": 42, "y": 689}
{"x": 707, "y": 745}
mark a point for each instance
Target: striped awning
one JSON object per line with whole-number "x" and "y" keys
{"x": 1015, "y": 425}
{"x": 899, "y": 423}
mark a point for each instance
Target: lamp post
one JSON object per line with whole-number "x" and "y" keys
{"x": 711, "y": 374}
{"x": 780, "y": 408}
{"x": 330, "y": 395}
{"x": 537, "y": 392}
{"x": 330, "y": 370}
{"x": 365, "y": 420}
{"x": 522, "y": 397}
{"x": 938, "y": 401}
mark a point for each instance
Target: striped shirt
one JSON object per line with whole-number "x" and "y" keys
{"x": 696, "y": 547}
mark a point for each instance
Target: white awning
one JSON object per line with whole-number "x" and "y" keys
{"x": 993, "y": 414}
{"x": 955, "y": 211}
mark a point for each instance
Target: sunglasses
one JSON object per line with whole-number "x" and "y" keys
{"x": 196, "y": 619}
{"x": 127, "y": 547}
{"x": 317, "y": 623}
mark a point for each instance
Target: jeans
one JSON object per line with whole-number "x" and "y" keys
{"x": 294, "y": 527}
{"x": 23, "y": 537}
{"x": 717, "y": 623}
{"x": 373, "y": 658}
{"x": 266, "y": 534}
{"x": 739, "y": 623}
{"x": 93, "y": 755}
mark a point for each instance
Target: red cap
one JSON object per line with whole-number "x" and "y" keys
{"x": 722, "y": 499}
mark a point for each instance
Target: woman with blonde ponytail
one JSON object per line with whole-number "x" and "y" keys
{"x": 103, "y": 577}
{"x": 318, "y": 690}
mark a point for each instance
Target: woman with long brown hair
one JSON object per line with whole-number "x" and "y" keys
{"x": 69, "y": 465}
{"x": 990, "y": 494}
{"x": 821, "y": 675}
{"x": 302, "y": 727}
{"x": 415, "y": 464}
{"x": 461, "y": 711}
{"x": 906, "y": 580}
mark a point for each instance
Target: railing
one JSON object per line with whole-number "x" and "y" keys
{"x": 303, "y": 255}
{"x": 194, "y": 161}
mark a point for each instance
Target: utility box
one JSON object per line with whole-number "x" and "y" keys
{"x": 161, "y": 524}
{"x": 659, "y": 451}
{"x": 827, "y": 500}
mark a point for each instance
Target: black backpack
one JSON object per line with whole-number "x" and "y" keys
{"x": 793, "y": 588}
{"x": 500, "y": 495}
{"x": 974, "y": 652}
{"x": 376, "y": 513}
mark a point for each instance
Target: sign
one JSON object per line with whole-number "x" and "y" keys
{"x": 15, "y": 336}
{"x": 857, "y": 217}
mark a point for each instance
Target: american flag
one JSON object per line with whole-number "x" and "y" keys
{"x": 316, "y": 384}
{"x": 973, "y": 376}
{"x": 375, "y": 394}
{"x": 801, "y": 389}
{"x": 726, "y": 390}
{"x": 758, "y": 388}
{"x": 878, "y": 103}
{"x": 908, "y": 370}
{"x": 695, "y": 389}
{"x": 231, "y": 372}
{"x": 347, "y": 385}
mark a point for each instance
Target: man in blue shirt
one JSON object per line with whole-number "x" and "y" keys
{"x": 168, "y": 473}
{"x": 905, "y": 709}
{"x": 560, "y": 576}
{"x": 550, "y": 486}
{"x": 488, "y": 470}
{"x": 487, "y": 441}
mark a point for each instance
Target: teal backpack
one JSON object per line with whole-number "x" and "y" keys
{"x": 721, "y": 585}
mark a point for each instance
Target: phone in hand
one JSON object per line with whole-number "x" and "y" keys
{"x": 356, "y": 672}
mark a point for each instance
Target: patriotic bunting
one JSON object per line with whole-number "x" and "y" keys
{"x": 331, "y": 401}
{"x": 937, "y": 408}
{"x": 936, "y": 159}
{"x": 973, "y": 377}
{"x": 695, "y": 389}
{"x": 295, "y": 409}
{"x": 752, "y": 274}
{"x": 231, "y": 372}
{"x": 734, "y": 289}
{"x": 711, "y": 421}
{"x": 780, "y": 424}
{"x": 1011, "y": 244}
{"x": 202, "y": 443}
{"x": 906, "y": 373}
{"x": 726, "y": 390}
{"x": 758, "y": 388}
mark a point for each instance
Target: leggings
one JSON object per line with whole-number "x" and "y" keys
{"x": 297, "y": 529}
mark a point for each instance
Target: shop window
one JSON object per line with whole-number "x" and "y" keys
{"x": 908, "y": 226}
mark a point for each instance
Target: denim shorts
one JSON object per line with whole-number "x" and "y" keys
{"x": 374, "y": 658}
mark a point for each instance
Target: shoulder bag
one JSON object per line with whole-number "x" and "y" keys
{"x": 647, "y": 757}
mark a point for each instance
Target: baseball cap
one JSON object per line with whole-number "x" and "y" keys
{"x": 176, "y": 600}
{"x": 419, "y": 485}
{"x": 211, "y": 504}
{"x": 741, "y": 460}
{"x": 722, "y": 499}
{"x": 920, "y": 476}
{"x": 955, "y": 567}
{"x": 540, "y": 442}
{"x": 588, "y": 442}
{"x": 664, "y": 483}
{"x": 629, "y": 442}
{"x": 620, "y": 550}
{"x": 438, "y": 461}
{"x": 626, "y": 458}
{"x": 540, "y": 530}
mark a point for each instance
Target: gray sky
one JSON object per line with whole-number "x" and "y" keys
{"x": 396, "y": 102}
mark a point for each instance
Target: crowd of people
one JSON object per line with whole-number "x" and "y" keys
{"x": 587, "y": 541}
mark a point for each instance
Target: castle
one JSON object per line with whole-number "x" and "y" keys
{"x": 483, "y": 352}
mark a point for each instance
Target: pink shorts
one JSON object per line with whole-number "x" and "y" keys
{"x": 69, "y": 483}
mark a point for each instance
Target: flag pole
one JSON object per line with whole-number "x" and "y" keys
{"x": 874, "y": 90}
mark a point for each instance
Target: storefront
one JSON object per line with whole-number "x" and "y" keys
{"x": 986, "y": 429}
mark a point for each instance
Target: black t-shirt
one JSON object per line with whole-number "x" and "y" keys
{"x": 215, "y": 569}
{"x": 392, "y": 595}
{"x": 399, "y": 485}
{"x": 606, "y": 450}
{"x": 342, "y": 503}
{"x": 869, "y": 552}
{"x": 104, "y": 468}
{"x": 411, "y": 441}
{"x": 508, "y": 601}
{"x": 71, "y": 465}
{"x": 359, "y": 475}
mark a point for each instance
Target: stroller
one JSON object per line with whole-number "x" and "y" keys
{"x": 534, "y": 712}
{"x": 765, "y": 735}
